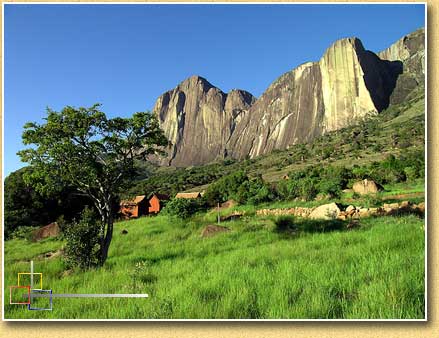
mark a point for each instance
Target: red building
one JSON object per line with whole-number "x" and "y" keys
{"x": 135, "y": 207}
{"x": 156, "y": 202}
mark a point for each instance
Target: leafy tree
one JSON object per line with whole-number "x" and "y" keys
{"x": 23, "y": 205}
{"x": 82, "y": 148}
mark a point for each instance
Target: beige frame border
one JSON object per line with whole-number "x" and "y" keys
{"x": 280, "y": 329}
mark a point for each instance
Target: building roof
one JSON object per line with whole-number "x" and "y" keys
{"x": 134, "y": 201}
{"x": 161, "y": 197}
{"x": 195, "y": 194}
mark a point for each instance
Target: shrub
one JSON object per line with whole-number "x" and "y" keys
{"x": 184, "y": 208}
{"x": 253, "y": 192}
{"x": 411, "y": 173}
{"x": 308, "y": 189}
{"x": 83, "y": 237}
{"x": 225, "y": 188}
{"x": 23, "y": 232}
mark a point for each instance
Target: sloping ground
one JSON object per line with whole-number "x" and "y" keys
{"x": 373, "y": 271}
{"x": 404, "y": 122}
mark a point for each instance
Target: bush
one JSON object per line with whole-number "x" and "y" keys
{"x": 333, "y": 180}
{"x": 411, "y": 173}
{"x": 308, "y": 189}
{"x": 82, "y": 247}
{"x": 253, "y": 192}
{"x": 225, "y": 188}
{"x": 23, "y": 232}
{"x": 184, "y": 207}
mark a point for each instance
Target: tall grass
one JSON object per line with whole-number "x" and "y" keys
{"x": 375, "y": 271}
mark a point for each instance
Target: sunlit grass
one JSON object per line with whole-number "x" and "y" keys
{"x": 375, "y": 271}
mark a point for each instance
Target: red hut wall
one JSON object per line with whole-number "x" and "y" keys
{"x": 154, "y": 205}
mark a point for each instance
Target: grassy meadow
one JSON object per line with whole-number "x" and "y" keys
{"x": 374, "y": 271}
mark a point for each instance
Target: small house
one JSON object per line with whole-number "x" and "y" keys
{"x": 189, "y": 195}
{"x": 156, "y": 202}
{"x": 133, "y": 208}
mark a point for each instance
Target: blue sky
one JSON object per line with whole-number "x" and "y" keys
{"x": 125, "y": 56}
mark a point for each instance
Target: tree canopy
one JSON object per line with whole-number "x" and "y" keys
{"x": 82, "y": 148}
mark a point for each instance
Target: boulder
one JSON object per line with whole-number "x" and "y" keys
{"x": 321, "y": 197}
{"x": 325, "y": 211}
{"x": 342, "y": 215}
{"x": 392, "y": 206}
{"x": 366, "y": 187}
{"x": 212, "y": 229}
{"x": 373, "y": 211}
{"x": 405, "y": 204}
{"x": 350, "y": 209}
{"x": 234, "y": 215}
{"x": 364, "y": 212}
{"x": 421, "y": 207}
{"x": 50, "y": 230}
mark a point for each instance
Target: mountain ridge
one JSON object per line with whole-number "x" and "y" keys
{"x": 347, "y": 84}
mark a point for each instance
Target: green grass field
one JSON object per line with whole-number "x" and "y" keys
{"x": 374, "y": 271}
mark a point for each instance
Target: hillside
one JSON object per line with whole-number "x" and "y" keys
{"x": 398, "y": 129}
{"x": 348, "y": 84}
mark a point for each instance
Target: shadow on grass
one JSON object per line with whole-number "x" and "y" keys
{"x": 407, "y": 211}
{"x": 290, "y": 226}
{"x": 163, "y": 256}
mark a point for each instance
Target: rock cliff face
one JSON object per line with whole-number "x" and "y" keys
{"x": 199, "y": 119}
{"x": 347, "y": 84}
{"x": 410, "y": 51}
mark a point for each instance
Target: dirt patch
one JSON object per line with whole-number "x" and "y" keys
{"x": 403, "y": 196}
{"x": 50, "y": 254}
{"x": 226, "y": 205}
{"x": 394, "y": 197}
{"x": 211, "y": 230}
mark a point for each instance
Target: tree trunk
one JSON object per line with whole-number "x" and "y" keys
{"x": 105, "y": 246}
{"x": 107, "y": 233}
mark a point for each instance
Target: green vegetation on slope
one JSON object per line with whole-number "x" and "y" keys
{"x": 396, "y": 130}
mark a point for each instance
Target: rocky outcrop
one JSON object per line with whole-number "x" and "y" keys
{"x": 198, "y": 119}
{"x": 291, "y": 110}
{"x": 50, "y": 230}
{"x": 366, "y": 187}
{"x": 346, "y": 85}
{"x": 410, "y": 52}
{"x": 326, "y": 211}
